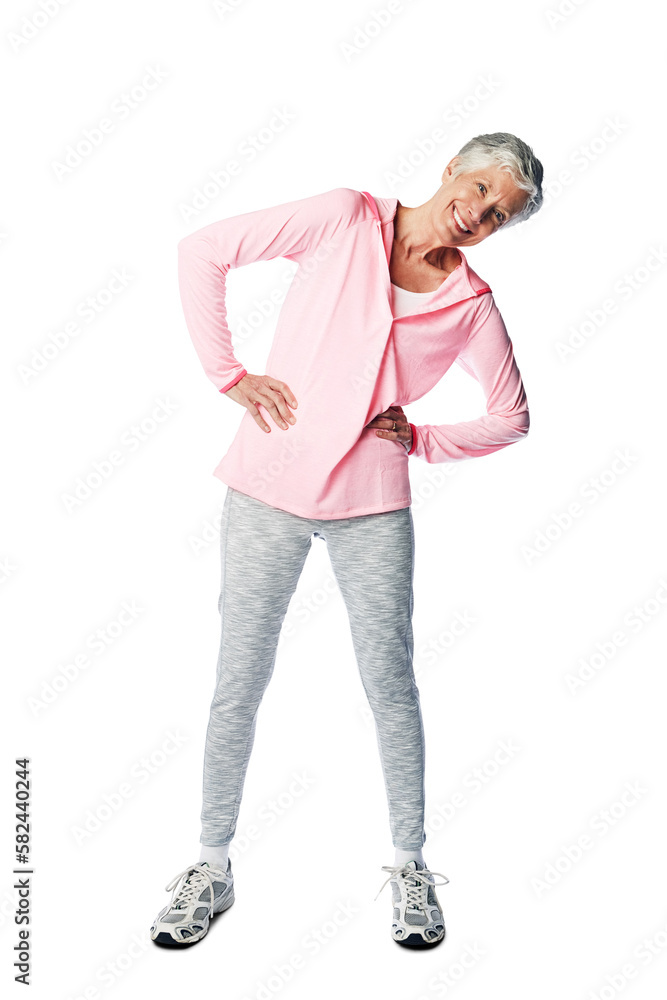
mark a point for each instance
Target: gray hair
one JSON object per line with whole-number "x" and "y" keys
{"x": 508, "y": 152}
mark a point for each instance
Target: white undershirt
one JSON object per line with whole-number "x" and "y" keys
{"x": 404, "y": 303}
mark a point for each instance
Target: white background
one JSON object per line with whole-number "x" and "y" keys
{"x": 522, "y": 919}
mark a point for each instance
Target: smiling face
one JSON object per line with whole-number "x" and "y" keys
{"x": 472, "y": 206}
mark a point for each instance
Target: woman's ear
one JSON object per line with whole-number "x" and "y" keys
{"x": 449, "y": 169}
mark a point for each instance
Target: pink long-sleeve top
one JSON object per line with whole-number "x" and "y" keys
{"x": 345, "y": 356}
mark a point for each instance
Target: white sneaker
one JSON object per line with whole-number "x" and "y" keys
{"x": 186, "y": 918}
{"x": 418, "y": 921}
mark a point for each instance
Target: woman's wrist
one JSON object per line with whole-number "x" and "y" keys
{"x": 413, "y": 439}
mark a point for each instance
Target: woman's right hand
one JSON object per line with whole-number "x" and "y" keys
{"x": 263, "y": 390}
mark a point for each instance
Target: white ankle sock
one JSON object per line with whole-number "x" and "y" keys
{"x": 402, "y": 857}
{"x": 217, "y": 856}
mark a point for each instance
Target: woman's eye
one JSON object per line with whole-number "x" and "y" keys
{"x": 481, "y": 187}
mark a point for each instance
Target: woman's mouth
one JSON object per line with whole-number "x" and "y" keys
{"x": 459, "y": 222}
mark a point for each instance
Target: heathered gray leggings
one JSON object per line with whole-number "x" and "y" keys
{"x": 263, "y": 550}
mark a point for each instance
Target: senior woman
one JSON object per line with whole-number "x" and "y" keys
{"x": 382, "y": 303}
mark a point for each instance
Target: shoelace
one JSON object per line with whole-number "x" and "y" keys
{"x": 415, "y": 890}
{"x": 186, "y": 893}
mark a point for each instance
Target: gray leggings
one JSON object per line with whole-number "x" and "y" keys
{"x": 263, "y": 550}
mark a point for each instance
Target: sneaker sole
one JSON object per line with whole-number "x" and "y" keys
{"x": 165, "y": 940}
{"x": 417, "y": 941}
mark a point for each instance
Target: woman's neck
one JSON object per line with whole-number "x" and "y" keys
{"x": 415, "y": 242}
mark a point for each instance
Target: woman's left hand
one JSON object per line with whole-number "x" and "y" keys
{"x": 384, "y": 423}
